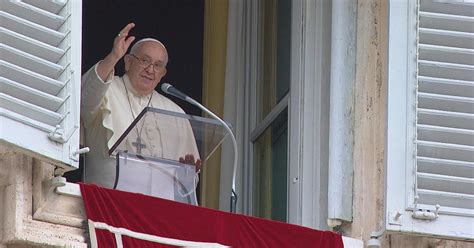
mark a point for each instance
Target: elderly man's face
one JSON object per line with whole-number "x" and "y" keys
{"x": 146, "y": 67}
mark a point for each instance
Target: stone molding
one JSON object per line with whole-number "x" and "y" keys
{"x": 32, "y": 214}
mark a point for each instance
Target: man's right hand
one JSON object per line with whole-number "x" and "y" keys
{"x": 121, "y": 43}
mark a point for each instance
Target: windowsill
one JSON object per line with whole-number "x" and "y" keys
{"x": 352, "y": 242}
{"x": 70, "y": 189}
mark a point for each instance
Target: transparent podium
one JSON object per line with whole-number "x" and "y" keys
{"x": 161, "y": 153}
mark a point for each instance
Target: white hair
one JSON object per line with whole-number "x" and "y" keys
{"x": 137, "y": 45}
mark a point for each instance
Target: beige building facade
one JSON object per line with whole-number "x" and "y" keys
{"x": 34, "y": 212}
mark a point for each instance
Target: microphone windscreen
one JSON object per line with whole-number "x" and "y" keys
{"x": 170, "y": 89}
{"x": 165, "y": 87}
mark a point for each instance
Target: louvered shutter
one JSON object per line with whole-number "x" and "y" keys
{"x": 40, "y": 51}
{"x": 430, "y": 119}
{"x": 445, "y": 106}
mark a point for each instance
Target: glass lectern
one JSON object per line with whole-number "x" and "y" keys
{"x": 154, "y": 156}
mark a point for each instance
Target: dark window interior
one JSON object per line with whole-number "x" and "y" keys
{"x": 179, "y": 24}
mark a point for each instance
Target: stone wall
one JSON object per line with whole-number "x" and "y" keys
{"x": 31, "y": 213}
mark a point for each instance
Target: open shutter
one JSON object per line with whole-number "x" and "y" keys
{"x": 430, "y": 118}
{"x": 40, "y": 49}
{"x": 445, "y": 107}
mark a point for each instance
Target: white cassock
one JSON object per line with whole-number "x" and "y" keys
{"x": 106, "y": 113}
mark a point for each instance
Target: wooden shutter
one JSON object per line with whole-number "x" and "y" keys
{"x": 40, "y": 49}
{"x": 445, "y": 106}
{"x": 430, "y": 118}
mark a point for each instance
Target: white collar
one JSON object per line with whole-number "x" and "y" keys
{"x": 131, "y": 89}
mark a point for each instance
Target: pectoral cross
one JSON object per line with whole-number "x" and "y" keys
{"x": 139, "y": 145}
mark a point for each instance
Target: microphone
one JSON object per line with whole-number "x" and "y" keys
{"x": 171, "y": 90}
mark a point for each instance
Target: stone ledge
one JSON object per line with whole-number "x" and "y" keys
{"x": 32, "y": 214}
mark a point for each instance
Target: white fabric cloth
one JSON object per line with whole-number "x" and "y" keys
{"x": 106, "y": 114}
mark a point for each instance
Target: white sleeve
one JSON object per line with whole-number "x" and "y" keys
{"x": 93, "y": 90}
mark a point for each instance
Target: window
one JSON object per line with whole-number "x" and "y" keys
{"x": 278, "y": 99}
{"x": 40, "y": 77}
{"x": 277, "y": 94}
{"x": 270, "y": 136}
{"x": 430, "y": 139}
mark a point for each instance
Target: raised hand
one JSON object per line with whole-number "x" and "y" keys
{"x": 122, "y": 41}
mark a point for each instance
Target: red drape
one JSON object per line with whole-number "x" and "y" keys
{"x": 164, "y": 218}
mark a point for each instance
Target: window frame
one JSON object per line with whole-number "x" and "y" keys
{"x": 309, "y": 114}
{"x": 308, "y": 110}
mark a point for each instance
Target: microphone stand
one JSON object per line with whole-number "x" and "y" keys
{"x": 233, "y": 197}
{"x": 169, "y": 89}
